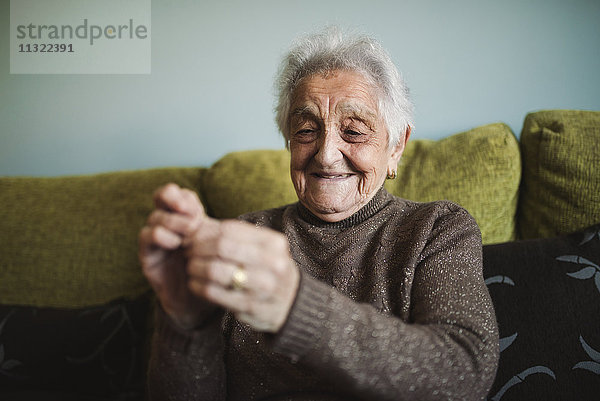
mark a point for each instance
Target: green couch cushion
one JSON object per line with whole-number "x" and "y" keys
{"x": 479, "y": 169}
{"x": 72, "y": 241}
{"x": 561, "y": 175}
{"x": 246, "y": 181}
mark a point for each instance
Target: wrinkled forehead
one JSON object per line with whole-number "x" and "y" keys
{"x": 345, "y": 93}
{"x": 346, "y": 109}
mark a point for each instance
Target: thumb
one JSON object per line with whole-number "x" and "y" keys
{"x": 173, "y": 198}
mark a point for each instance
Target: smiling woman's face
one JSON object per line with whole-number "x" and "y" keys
{"x": 339, "y": 144}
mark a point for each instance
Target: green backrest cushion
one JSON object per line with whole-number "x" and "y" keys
{"x": 479, "y": 169}
{"x": 72, "y": 241}
{"x": 560, "y": 192}
{"x": 246, "y": 181}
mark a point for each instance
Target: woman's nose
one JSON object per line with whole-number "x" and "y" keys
{"x": 328, "y": 152}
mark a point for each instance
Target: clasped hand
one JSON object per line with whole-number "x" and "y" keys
{"x": 192, "y": 262}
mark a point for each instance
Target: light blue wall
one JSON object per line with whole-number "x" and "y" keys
{"x": 210, "y": 92}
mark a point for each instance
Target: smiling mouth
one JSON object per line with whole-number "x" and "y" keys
{"x": 330, "y": 176}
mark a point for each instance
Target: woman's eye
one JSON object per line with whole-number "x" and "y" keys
{"x": 305, "y": 132}
{"x": 353, "y": 136}
{"x": 305, "y": 135}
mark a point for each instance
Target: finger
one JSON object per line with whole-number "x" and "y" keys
{"x": 235, "y": 301}
{"x": 212, "y": 270}
{"x": 217, "y": 271}
{"x": 242, "y": 231}
{"x": 158, "y": 236}
{"x": 243, "y": 243}
{"x": 207, "y": 231}
{"x": 194, "y": 200}
{"x": 174, "y": 198}
{"x": 178, "y": 223}
{"x": 153, "y": 245}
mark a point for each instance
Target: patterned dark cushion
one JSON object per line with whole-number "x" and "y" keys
{"x": 87, "y": 354}
{"x": 547, "y": 298}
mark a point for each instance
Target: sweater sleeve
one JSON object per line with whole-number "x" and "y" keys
{"x": 447, "y": 350}
{"x": 186, "y": 364}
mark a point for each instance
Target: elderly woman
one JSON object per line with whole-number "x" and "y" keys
{"x": 351, "y": 293}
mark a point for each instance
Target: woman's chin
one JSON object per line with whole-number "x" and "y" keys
{"x": 331, "y": 209}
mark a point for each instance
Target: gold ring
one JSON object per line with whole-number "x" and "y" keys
{"x": 239, "y": 279}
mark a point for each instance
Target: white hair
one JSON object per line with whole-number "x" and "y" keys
{"x": 331, "y": 50}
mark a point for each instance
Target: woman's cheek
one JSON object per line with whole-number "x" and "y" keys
{"x": 299, "y": 181}
{"x": 368, "y": 179}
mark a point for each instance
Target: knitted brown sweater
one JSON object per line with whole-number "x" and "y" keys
{"x": 391, "y": 306}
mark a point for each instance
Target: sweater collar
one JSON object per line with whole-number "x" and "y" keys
{"x": 376, "y": 204}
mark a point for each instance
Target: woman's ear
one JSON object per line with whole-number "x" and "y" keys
{"x": 399, "y": 148}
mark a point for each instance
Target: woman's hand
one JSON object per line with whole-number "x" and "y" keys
{"x": 245, "y": 269}
{"x": 178, "y": 215}
{"x": 195, "y": 263}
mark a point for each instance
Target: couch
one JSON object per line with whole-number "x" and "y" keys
{"x": 75, "y": 311}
